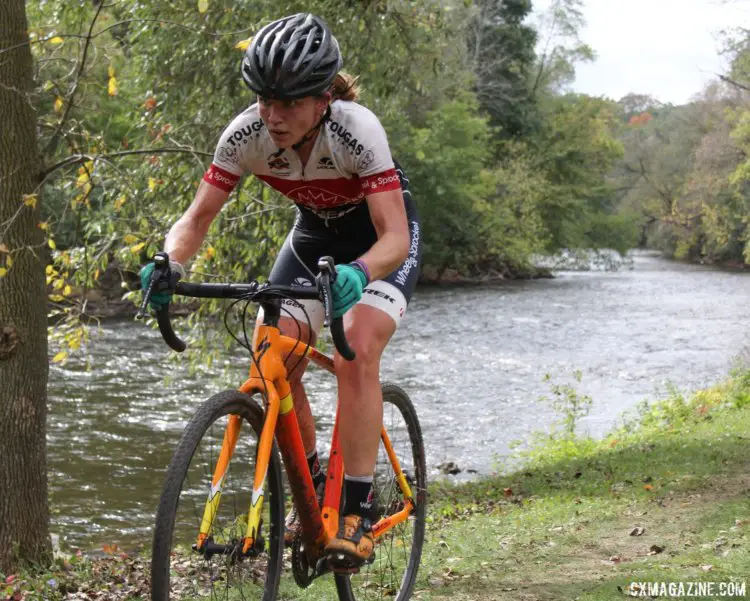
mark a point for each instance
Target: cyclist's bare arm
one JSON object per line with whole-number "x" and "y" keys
{"x": 187, "y": 234}
{"x": 388, "y": 215}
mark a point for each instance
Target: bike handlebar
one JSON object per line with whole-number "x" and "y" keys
{"x": 255, "y": 291}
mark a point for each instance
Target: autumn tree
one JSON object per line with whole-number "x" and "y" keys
{"x": 24, "y": 514}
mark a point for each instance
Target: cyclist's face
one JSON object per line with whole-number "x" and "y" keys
{"x": 288, "y": 121}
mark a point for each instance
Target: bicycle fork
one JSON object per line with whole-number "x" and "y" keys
{"x": 263, "y": 458}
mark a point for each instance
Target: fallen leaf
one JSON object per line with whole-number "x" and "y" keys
{"x": 707, "y": 567}
{"x": 655, "y": 550}
{"x": 637, "y": 531}
{"x": 508, "y": 492}
{"x": 648, "y": 487}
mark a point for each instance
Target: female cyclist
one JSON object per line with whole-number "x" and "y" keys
{"x": 307, "y": 138}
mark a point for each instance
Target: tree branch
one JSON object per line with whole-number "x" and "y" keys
{"x": 69, "y": 100}
{"x": 734, "y": 83}
{"x": 83, "y": 158}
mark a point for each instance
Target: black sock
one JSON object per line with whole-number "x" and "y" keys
{"x": 359, "y": 496}
{"x": 317, "y": 473}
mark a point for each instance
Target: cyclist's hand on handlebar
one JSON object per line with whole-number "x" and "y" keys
{"x": 347, "y": 288}
{"x": 164, "y": 287}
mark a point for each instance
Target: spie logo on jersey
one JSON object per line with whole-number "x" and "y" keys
{"x": 279, "y": 164}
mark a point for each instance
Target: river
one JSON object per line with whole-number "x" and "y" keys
{"x": 473, "y": 360}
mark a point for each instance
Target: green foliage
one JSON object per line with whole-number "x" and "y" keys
{"x": 685, "y": 169}
{"x": 132, "y": 97}
{"x": 449, "y": 154}
{"x": 575, "y": 152}
{"x": 568, "y": 402}
{"x": 500, "y": 54}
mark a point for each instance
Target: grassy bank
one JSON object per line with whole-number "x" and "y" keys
{"x": 666, "y": 498}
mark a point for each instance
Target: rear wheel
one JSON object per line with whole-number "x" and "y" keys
{"x": 398, "y": 552}
{"x": 178, "y": 571}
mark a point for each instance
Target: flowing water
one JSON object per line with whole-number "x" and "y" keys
{"x": 473, "y": 359}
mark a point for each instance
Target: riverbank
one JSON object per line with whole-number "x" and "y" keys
{"x": 663, "y": 499}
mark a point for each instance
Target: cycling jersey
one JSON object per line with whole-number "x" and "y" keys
{"x": 346, "y": 239}
{"x": 350, "y": 159}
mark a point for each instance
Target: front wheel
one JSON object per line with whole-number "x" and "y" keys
{"x": 398, "y": 552}
{"x": 178, "y": 571}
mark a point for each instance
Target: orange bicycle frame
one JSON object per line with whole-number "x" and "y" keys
{"x": 268, "y": 376}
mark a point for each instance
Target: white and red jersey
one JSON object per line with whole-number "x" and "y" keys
{"x": 350, "y": 159}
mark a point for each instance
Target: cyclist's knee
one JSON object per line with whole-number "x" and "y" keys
{"x": 368, "y": 351}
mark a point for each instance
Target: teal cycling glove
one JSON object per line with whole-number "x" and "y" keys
{"x": 162, "y": 293}
{"x": 347, "y": 288}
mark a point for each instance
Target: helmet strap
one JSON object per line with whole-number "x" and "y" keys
{"x": 309, "y": 135}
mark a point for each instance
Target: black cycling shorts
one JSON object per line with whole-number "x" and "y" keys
{"x": 345, "y": 233}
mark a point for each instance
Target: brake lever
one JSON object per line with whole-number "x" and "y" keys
{"x": 326, "y": 275}
{"x": 161, "y": 268}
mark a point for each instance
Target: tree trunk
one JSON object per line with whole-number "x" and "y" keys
{"x": 24, "y": 510}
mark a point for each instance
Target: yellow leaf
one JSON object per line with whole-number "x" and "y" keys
{"x": 56, "y": 298}
{"x": 210, "y": 252}
{"x": 52, "y": 244}
{"x": 111, "y": 71}
{"x": 8, "y": 261}
{"x": 58, "y": 104}
{"x": 67, "y": 290}
{"x": 119, "y": 202}
{"x": 152, "y": 184}
{"x": 43, "y": 225}
{"x": 61, "y": 356}
{"x": 112, "y": 87}
{"x": 137, "y": 248}
{"x": 129, "y": 239}
{"x": 30, "y": 200}
{"x": 96, "y": 274}
{"x": 244, "y": 44}
{"x": 50, "y": 270}
{"x": 56, "y": 40}
{"x": 3, "y": 272}
{"x": 202, "y": 6}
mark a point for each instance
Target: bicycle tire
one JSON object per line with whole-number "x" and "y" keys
{"x": 393, "y": 573}
{"x": 168, "y": 557}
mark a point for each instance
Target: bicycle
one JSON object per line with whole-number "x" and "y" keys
{"x": 232, "y": 542}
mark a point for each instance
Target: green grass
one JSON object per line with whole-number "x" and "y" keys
{"x": 560, "y": 528}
